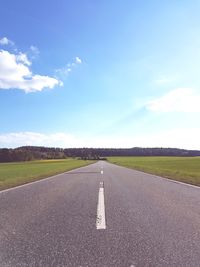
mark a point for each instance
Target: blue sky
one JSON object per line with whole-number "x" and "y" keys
{"x": 100, "y": 73}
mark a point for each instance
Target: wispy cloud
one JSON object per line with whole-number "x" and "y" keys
{"x": 15, "y": 73}
{"x": 187, "y": 138}
{"x": 78, "y": 60}
{"x": 179, "y": 138}
{"x": 69, "y": 67}
{"x": 178, "y": 100}
{"x": 6, "y": 41}
{"x": 34, "y": 51}
{"x": 23, "y": 59}
{"x": 38, "y": 139}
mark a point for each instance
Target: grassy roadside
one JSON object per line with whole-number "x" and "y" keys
{"x": 17, "y": 173}
{"x": 184, "y": 169}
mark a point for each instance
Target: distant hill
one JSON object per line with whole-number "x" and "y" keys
{"x": 27, "y": 153}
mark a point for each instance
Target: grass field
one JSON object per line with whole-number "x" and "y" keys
{"x": 184, "y": 169}
{"x": 13, "y": 174}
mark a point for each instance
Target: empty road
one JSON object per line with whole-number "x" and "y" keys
{"x": 100, "y": 215}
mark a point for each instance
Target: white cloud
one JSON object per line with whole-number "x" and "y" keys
{"x": 34, "y": 51}
{"x": 178, "y": 100}
{"x": 176, "y": 138}
{"x": 15, "y": 73}
{"x": 22, "y": 58}
{"x": 69, "y": 67}
{"x": 78, "y": 60}
{"x": 38, "y": 139}
{"x": 63, "y": 72}
{"x": 6, "y": 41}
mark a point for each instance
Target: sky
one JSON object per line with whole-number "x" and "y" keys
{"x": 100, "y": 73}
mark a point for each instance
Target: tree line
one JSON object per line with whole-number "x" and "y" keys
{"x": 28, "y": 153}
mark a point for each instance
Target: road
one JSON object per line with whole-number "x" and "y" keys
{"x": 149, "y": 221}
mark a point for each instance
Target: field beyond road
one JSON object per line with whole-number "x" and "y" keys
{"x": 17, "y": 173}
{"x": 184, "y": 169}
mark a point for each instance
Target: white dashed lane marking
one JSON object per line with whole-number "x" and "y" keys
{"x": 101, "y": 218}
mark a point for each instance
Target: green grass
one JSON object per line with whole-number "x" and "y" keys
{"x": 184, "y": 169}
{"x": 17, "y": 173}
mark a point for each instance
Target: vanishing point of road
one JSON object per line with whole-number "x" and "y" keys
{"x": 100, "y": 215}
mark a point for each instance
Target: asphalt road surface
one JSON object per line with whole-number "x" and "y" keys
{"x": 149, "y": 221}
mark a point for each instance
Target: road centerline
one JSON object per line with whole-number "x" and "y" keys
{"x": 101, "y": 218}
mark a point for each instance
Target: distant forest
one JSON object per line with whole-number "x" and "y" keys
{"x": 27, "y": 153}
